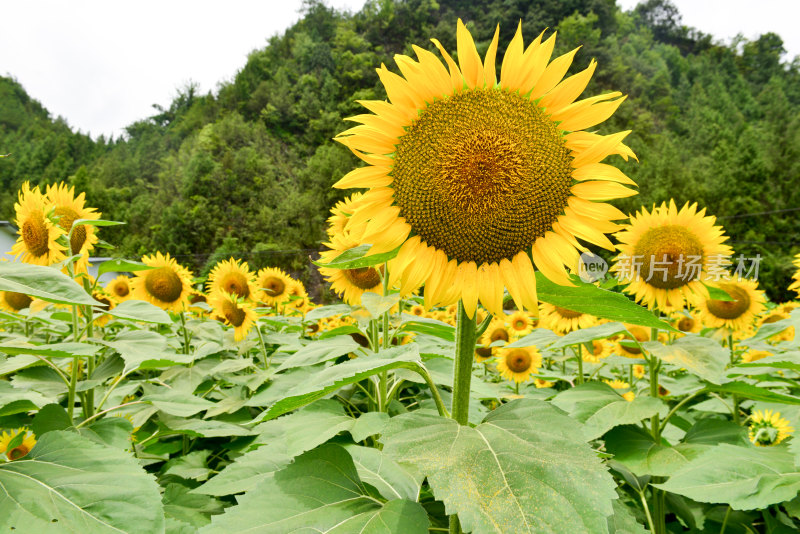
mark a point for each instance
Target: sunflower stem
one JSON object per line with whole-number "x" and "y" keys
{"x": 73, "y": 381}
{"x": 263, "y": 346}
{"x": 735, "y": 398}
{"x": 185, "y": 333}
{"x": 90, "y": 362}
{"x": 580, "y": 365}
{"x": 725, "y": 521}
{"x": 462, "y": 374}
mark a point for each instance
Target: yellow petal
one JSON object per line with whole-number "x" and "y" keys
{"x": 398, "y": 89}
{"x": 601, "y": 171}
{"x": 365, "y": 177}
{"x": 469, "y": 290}
{"x": 468, "y": 58}
{"x": 404, "y": 258}
{"x": 550, "y": 266}
{"x": 604, "y": 145}
{"x": 534, "y": 62}
{"x": 437, "y": 74}
{"x": 595, "y": 210}
{"x": 594, "y": 190}
{"x": 490, "y": 288}
{"x": 527, "y": 280}
{"x": 389, "y": 112}
{"x": 568, "y": 90}
{"x": 512, "y": 62}
{"x": 553, "y": 74}
{"x": 510, "y": 281}
{"x": 489, "y": 69}
{"x": 456, "y": 80}
{"x": 588, "y": 116}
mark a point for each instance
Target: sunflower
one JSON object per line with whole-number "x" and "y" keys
{"x": 168, "y": 285}
{"x": 517, "y": 364}
{"x": 472, "y": 177}
{"x": 38, "y": 235}
{"x": 638, "y": 370}
{"x": 14, "y": 302}
{"x": 68, "y": 208}
{"x": 340, "y": 216}
{"x": 640, "y": 334}
{"x": 520, "y": 323}
{"x": 273, "y": 284}
{"x": 120, "y": 288}
{"x": 100, "y": 318}
{"x": 298, "y": 297}
{"x": 482, "y": 354}
{"x": 496, "y": 331}
{"x": 754, "y": 355}
{"x": 20, "y": 450}
{"x": 542, "y": 383}
{"x": 349, "y": 284}
{"x": 562, "y": 321}
{"x": 617, "y": 384}
{"x": 795, "y": 285}
{"x": 685, "y": 322}
{"x": 773, "y": 316}
{"x": 417, "y": 310}
{"x": 666, "y": 254}
{"x": 234, "y": 311}
{"x": 768, "y": 428}
{"x": 600, "y": 348}
{"x": 232, "y": 276}
{"x": 736, "y": 314}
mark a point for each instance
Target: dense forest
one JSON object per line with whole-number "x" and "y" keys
{"x": 246, "y": 170}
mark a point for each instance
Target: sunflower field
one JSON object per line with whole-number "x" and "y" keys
{"x": 482, "y": 372}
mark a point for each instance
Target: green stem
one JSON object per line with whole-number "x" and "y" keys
{"x": 579, "y": 378}
{"x": 678, "y": 407}
{"x": 90, "y": 361}
{"x": 98, "y": 414}
{"x": 73, "y": 381}
{"x": 263, "y": 346}
{"x": 185, "y": 333}
{"x": 725, "y": 521}
{"x": 647, "y": 511}
{"x": 736, "y": 418}
{"x": 465, "y": 353}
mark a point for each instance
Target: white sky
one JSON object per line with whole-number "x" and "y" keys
{"x": 101, "y": 64}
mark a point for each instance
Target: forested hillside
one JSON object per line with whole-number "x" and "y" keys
{"x": 247, "y": 170}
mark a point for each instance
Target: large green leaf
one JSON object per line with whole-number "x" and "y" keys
{"x": 139, "y": 310}
{"x": 320, "y": 351}
{"x": 178, "y": 403}
{"x": 332, "y": 378}
{"x": 391, "y": 480}
{"x": 44, "y": 282}
{"x": 585, "y": 335}
{"x": 634, "y": 448}
{"x": 700, "y": 355}
{"x": 746, "y": 478}
{"x": 526, "y": 468}
{"x": 189, "y": 508}
{"x": 356, "y": 258}
{"x": 121, "y": 266}
{"x": 750, "y": 391}
{"x": 141, "y": 348}
{"x": 623, "y": 522}
{"x": 320, "y": 492}
{"x": 601, "y": 408}
{"x": 587, "y": 298}
{"x": 70, "y": 483}
{"x": 285, "y": 438}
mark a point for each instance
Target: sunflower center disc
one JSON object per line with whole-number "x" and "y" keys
{"x": 685, "y": 324}
{"x": 121, "y": 290}
{"x": 483, "y": 352}
{"x": 667, "y": 254}
{"x": 163, "y": 284}
{"x": 518, "y": 361}
{"x": 35, "y": 236}
{"x": 67, "y": 218}
{"x": 18, "y": 452}
{"x": 17, "y": 301}
{"x": 481, "y": 175}
{"x": 730, "y": 309}
{"x": 773, "y": 319}
{"x": 274, "y": 286}
{"x": 236, "y": 284}
{"x": 499, "y": 334}
{"x": 233, "y": 314}
{"x": 567, "y": 314}
{"x": 363, "y": 277}
{"x": 597, "y": 347}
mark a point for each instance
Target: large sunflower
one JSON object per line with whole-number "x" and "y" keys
{"x": 472, "y": 178}
{"x": 562, "y": 320}
{"x": 38, "y": 235}
{"x": 236, "y": 312}
{"x": 68, "y": 208}
{"x": 736, "y": 314}
{"x": 14, "y": 302}
{"x": 120, "y": 288}
{"x": 232, "y": 276}
{"x": 666, "y": 254}
{"x": 350, "y": 284}
{"x": 168, "y": 285}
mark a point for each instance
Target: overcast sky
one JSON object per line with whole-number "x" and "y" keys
{"x": 101, "y": 64}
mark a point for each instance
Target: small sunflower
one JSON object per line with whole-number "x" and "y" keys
{"x": 517, "y": 364}
{"x": 542, "y": 383}
{"x": 232, "y": 276}
{"x": 20, "y": 450}
{"x": 617, "y": 384}
{"x": 754, "y": 355}
{"x": 640, "y": 334}
{"x": 234, "y": 311}
{"x": 38, "y": 240}
{"x": 666, "y": 255}
{"x": 736, "y": 314}
{"x": 120, "y": 288}
{"x": 477, "y": 179}
{"x": 768, "y": 428}
{"x": 298, "y": 297}
{"x": 638, "y": 370}
{"x": 562, "y": 321}
{"x": 100, "y": 318}
{"x": 68, "y": 208}
{"x": 349, "y": 284}
{"x": 685, "y": 322}
{"x": 273, "y": 284}
{"x": 167, "y": 286}
{"x": 795, "y": 285}
{"x": 496, "y": 331}
{"x": 600, "y": 348}
{"x": 520, "y": 323}
{"x": 483, "y": 354}
{"x": 14, "y": 302}
{"x": 417, "y": 310}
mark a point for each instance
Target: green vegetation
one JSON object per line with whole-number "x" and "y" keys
{"x": 247, "y": 170}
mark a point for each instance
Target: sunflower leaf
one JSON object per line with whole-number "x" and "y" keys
{"x": 702, "y": 356}
{"x": 717, "y": 293}
{"x": 746, "y": 478}
{"x": 320, "y": 489}
{"x": 357, "y": 258}
{"x": 73, "y": 484}
{"x": 587, "y": 298}
{"x": 139, "y": 310}
{"x": 44, "y": 282}
{"x": 526, "y": 467}
{"x": 121, "y": 266}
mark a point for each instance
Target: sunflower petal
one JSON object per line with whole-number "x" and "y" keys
{"x": 468, "y": 58}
